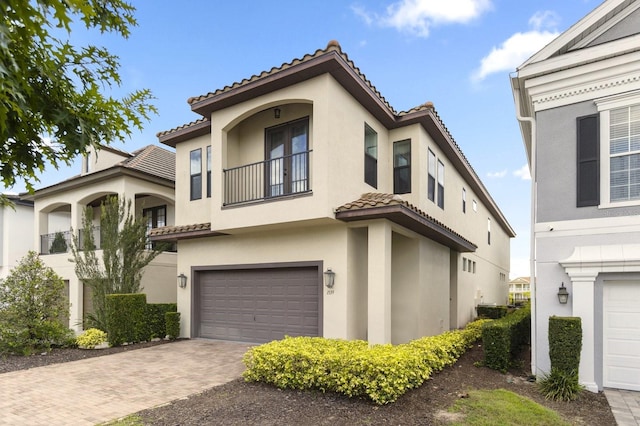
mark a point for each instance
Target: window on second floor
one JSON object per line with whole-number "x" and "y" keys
{"x": 489, "y": 231}
{"x": 155, "y": 217}
{"x": 464, "y": 200}
{"x": 195, "y": 166}
{"x": 609, "y": 153}
{"x": 209, "y": 171}
{"x": 440, "y": 185}
{"x": 431, "y": 176}
{"x": 370, "y": 156}
{"x": 402, "y": 167}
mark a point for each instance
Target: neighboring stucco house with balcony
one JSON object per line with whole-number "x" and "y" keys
{"x": 578, "y": 102}
{"x": 305, "y": 174}
{"x": 146, "y": 176}
{"x": 16, "y": 233}
{"x": 519, "y": 290}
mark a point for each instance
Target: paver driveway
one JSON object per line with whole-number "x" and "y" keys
{"x": 104, "y": 388}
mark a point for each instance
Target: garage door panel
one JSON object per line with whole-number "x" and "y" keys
{"x": 258, "y": 305}
{"x": 621, "y": 335}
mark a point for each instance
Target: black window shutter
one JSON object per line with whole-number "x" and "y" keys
{"x": 588, "y": 165}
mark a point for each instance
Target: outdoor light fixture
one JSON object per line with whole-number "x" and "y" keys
{"x": 329, "y": 278}
{"x": 276, "y": 112}
{"x": 182, "y": 280}
{"x": 563, "y": 295}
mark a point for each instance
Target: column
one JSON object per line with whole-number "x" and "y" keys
{"x": 583, "y": 305}
{"x": 379, "y": 282}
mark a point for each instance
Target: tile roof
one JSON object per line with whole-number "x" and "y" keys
{"x": 200, "y": 121}
{"x": 153, "y": 160}
{"x": 391, "y": 206}
{"x": 182, "y": 232}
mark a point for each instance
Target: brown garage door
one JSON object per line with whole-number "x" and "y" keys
{"x": 257, "y": 305}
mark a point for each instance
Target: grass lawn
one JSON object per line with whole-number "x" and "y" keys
{"x": 501, "y": 407}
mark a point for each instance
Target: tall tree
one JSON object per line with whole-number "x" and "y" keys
{"x": 125, "y": 254}
{"x": 54, "y": 101}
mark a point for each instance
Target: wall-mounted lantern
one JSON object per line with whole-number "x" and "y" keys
{"x": 182, "y": 280}
{"x": 563, "y": 295}
{"x": 276, "y": 112}
{"x": 329, "y": 278}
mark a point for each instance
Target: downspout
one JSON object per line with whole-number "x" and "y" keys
{"x": 532, "y": 248}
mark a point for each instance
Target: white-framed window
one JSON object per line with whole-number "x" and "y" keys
{"x": 475, "y": 206}
{"x": 440, "y": 184}
{"x": 619, "y": 150}
{"x": 435, "y": 179}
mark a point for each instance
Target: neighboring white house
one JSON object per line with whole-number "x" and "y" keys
{"x": 16, "y": 233}
{"x": 519, "y": 290}
{"x": 306, "y": 205}
{"x": 146, "y": 177}
{"x": 578, "y": 102}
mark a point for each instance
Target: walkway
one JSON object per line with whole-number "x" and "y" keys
{"x": 625, "y": 406}
{"x": 104, "y": 388}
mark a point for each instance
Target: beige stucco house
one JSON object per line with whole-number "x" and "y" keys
{"x": 145, "y": 176}
{"x": 306, "y": 205}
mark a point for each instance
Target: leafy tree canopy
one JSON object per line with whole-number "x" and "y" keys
{"x": 54, "y": 101}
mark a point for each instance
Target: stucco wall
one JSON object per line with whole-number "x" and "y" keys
{"x": 17, "y": 236}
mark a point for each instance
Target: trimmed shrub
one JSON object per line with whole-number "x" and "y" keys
{"x": 503, "y": 339}
{"x": 565, "y": 343}
{"x": 126, "y": 318}
{"x": 382, "y": 373}
{"x": 59, "y": 244}
{"x": 156, "y": 321}
{"x": 91, "y": 338}
{"x": 172, "y": 321}
{"x": 492, "y": 312}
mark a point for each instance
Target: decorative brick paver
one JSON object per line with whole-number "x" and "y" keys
{"x": 104, "y": 388}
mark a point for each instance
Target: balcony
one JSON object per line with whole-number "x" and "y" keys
{"x": 60, "y": 242}
{"x": 269, "y": 179}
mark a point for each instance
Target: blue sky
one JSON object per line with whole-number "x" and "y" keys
{"x": 457, "y": 54}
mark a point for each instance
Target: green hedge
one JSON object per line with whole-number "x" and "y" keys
{"x": 493, "y": 312}
{"x": 503, "y": 339}
{"x": 156, "y": 318}
{"x": 126, "y": 318}
{"x": 381, "y": 372}
{"x": 565, "y": 343}
{"x": 172, "y": 321}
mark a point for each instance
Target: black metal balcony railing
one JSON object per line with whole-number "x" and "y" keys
{"x": 60, "y": 242}
{"x": 277, "y": 177}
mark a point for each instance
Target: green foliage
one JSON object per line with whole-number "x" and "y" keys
{"x": 503, "y": 339}
{"x": 91, "y": 338}
{"x": 156, "y": 318}
{"x": 126, "y": 318}
{"x": 172, "y": 321}
{"x": 492, "y": 312}
{"x": 124, "y": 255}
{"x": 54, "y": 101}
{"x": 382, "y": 373}
{"x": 59, "y": 244}
{"x": 565, "y": 343}
{"x": 502, "y": 407}
{"x": 32, "y": 305}
{"x": 560, "y": 385}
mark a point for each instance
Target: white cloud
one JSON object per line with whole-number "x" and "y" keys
{"x": 520, "y": 267}
{"x": 500, "y": 174}
{"x": 520, "y": 46}
{"x": 523, "y": 173}
{"x": 417, "y": 16}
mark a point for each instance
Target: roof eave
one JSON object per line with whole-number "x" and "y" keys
{"x": 401, "y": 215}
{"x": 173, "y": 138}
{"x": 330, "y": 62}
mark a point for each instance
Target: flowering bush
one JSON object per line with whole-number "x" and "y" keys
{"x": 381, "y": 372}
{"x": 91, "y": 338}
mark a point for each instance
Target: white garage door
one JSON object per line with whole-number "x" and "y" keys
{"x": 258, "y": 305}
{"x": 621, "y": 358}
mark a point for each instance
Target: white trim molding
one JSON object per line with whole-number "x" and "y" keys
{"x": 583, "y": 267}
